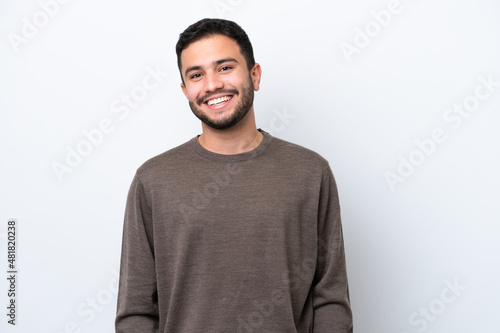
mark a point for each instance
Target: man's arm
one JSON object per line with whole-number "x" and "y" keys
{"x": 137, "y": 309}
{"x": 332, "y": 310}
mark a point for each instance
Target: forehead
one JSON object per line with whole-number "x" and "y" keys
{"x": 207, "y": 50}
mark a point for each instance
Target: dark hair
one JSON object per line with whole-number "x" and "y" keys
{"x": 212, "y": 27}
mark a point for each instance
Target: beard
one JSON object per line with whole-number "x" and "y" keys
{"x": 240, "y": 110}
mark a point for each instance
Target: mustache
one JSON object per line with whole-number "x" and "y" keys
{"x": 200, "y": 100}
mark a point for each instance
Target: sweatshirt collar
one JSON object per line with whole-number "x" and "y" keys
{"x": 262, "y": 147}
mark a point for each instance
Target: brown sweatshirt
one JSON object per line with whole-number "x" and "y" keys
{"x": 250, "y": 242}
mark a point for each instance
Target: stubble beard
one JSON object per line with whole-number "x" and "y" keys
{"x": 240, "y": 110}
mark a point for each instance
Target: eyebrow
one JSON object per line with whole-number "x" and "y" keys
{"x": 215, "y": 63}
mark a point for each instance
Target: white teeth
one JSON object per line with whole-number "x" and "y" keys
{"x": 218, "y": 100}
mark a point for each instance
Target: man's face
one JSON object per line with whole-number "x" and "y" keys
{"x": 217, "y": 82}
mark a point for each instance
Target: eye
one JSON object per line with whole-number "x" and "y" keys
{"x": 225, "y": 68}
{"x": 195, "y": 76}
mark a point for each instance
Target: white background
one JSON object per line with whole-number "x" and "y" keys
{"x": 407, "y": 243}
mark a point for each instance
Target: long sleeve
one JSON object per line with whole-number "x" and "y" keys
{"x": 332, "y": 311}
{"x": 137, "y": 309}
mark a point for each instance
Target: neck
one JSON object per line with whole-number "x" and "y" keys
{"x": 238, "y": 139}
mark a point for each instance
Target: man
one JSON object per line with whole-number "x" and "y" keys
{"x": 234, "y": 230}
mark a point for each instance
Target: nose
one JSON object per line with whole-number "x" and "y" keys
{"x": 212, "y": 82}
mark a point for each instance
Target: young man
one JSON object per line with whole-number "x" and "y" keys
{"x": 235, "y": 230}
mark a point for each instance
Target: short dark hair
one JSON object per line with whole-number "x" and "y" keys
{"x": 212, "y": 27}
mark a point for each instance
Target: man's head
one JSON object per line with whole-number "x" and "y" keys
{"x": 211, "y": 27}
{"x": 218, "y": 71}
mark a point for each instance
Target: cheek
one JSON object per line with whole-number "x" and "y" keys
{"x": 192, "y": 93}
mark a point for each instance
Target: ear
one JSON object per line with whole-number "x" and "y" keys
{"x": 184, "y": 90}
{"x": 256, "y": 74}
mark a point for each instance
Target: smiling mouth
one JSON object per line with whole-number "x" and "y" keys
{"x": 218, "y": 101}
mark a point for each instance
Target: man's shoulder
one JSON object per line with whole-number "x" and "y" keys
{"x": 297, "y": 154}
{"x": 173, "y": 158}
